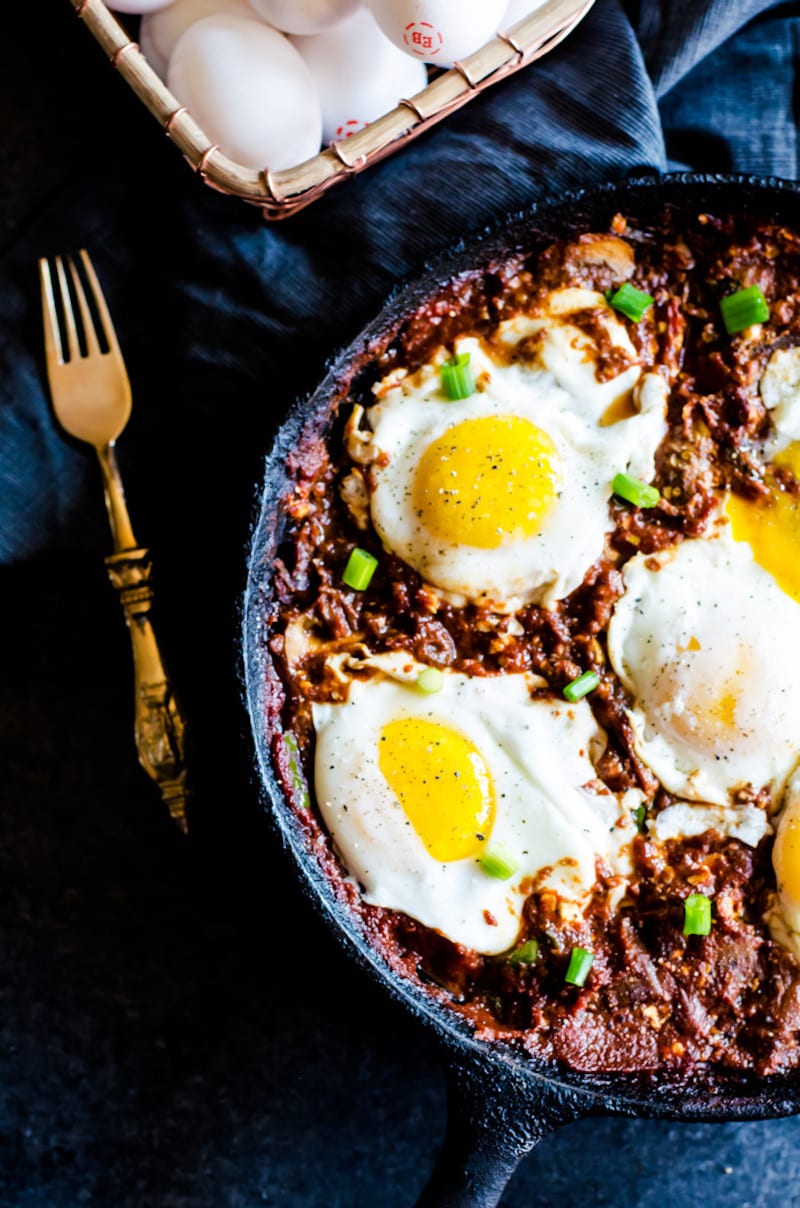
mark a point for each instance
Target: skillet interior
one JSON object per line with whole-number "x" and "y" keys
{"x": 723, "y": 1096}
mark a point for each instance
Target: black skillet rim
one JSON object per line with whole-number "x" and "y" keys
{"x": 696, "y": 1096}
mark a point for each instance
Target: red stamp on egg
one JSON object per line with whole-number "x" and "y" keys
{"x": 423, "y": 39}
{"x": 351, "y": 126}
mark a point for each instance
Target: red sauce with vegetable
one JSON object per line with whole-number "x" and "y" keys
{"x": 653, "y": 997}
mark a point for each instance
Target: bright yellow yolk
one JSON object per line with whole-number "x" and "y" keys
{"x": 443, "y": 784}
{"x": 486, "y": 482}
{"x": 786, "y": 856}
{"x": 772, "y": 528}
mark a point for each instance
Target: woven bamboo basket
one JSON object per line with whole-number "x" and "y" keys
{"x": 279, "y": 194}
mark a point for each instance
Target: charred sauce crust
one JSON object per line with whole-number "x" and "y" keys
{"x": 656, "y": 999}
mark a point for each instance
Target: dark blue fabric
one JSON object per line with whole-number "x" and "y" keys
{"x": 177, "y": 1028}
{"x": 736, "y": 110}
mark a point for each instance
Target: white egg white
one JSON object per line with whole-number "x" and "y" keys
{"x": 708, "y": 646}
{"x": 570, "y": 354}
{"x": 558, "y": 392}
{"x": 684, "y": 819}
{"x": 538, "y": 752}
{"x": 780, "y": 391}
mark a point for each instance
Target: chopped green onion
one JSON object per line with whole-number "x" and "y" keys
{"x": 580, "y": 963}
{"x": 498, "y": 863}
{"x": 639, "y": 815}
{"x": 631, "y": 302}
{"x": 526, "y": 954}
{"x": 430, "y": 680}
{"x": 359, "y": 570}
{"x": 697, "y": 915}
{"x": 743, "y": 309}
{"x": 578, "y": 688}
{"x": 634, "y": 491}
{"x": 457, "y": 379}
{"x": 298, "y": 782}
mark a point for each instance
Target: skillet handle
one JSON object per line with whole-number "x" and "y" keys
{"x": 494, "y": 1118}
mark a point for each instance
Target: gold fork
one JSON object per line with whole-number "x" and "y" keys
{"x": 92, "y": 400}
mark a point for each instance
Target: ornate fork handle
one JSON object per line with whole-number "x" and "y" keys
{"x": 160, "y": 726}
{"x": 91, "y": 395}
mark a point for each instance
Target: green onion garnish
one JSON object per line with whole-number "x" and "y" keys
{"x": 578, "y": 688}
{"x": 743, "y": 309}
{"x": 580, "y": 963}
{"x": 631, "y": 302}
{"x": 498, "y": 863}
{"x": 359, "y": 570}
{"x": 634, "y": 491}
{"x": 457, "y": 379}
{"x": 639, "y": 815}
{"x": 526, "y": 954}
{"x": 697, "y": 915}
{"x": 298, "y": 782}
{"x": 430, "y": 680}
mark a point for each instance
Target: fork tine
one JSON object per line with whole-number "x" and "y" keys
{"x": 69, "y": 317}
{"x": 92, "y": 344}
{"x": 100, "y": 303}
{"x": 52, "y": 337}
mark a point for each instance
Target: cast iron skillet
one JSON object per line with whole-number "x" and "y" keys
{"x": 500, "y": 1104}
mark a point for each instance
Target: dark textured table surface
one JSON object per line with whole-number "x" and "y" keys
{"x": 177, "y": 1029}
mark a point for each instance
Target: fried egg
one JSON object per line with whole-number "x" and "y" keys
{"x": 502, "y": 498}
{"x": 771, "y": 524}
{"x": 416, "y": 789}
{"x": 708, "y": 646}
{"x": 784, "y": 915}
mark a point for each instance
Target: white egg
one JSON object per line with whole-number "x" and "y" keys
{"x": 502, "y": 498}
{"x": 138, "y": 6}
{"x": 708, "y": 646}
{"x": 160, "y": 31}
{"x": 304, "y": 16}
{"x": 249, "y": 89}
{"x": 359, "y": 74}
{"x": 416, "y": 789}
{"x": 517, "y": 10}
{"x": 438, "y": 31}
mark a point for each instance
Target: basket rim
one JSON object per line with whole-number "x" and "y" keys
{"x": 281, "y": 193}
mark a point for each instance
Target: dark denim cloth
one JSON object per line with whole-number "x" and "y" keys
{"x": 177, "y": 1027}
